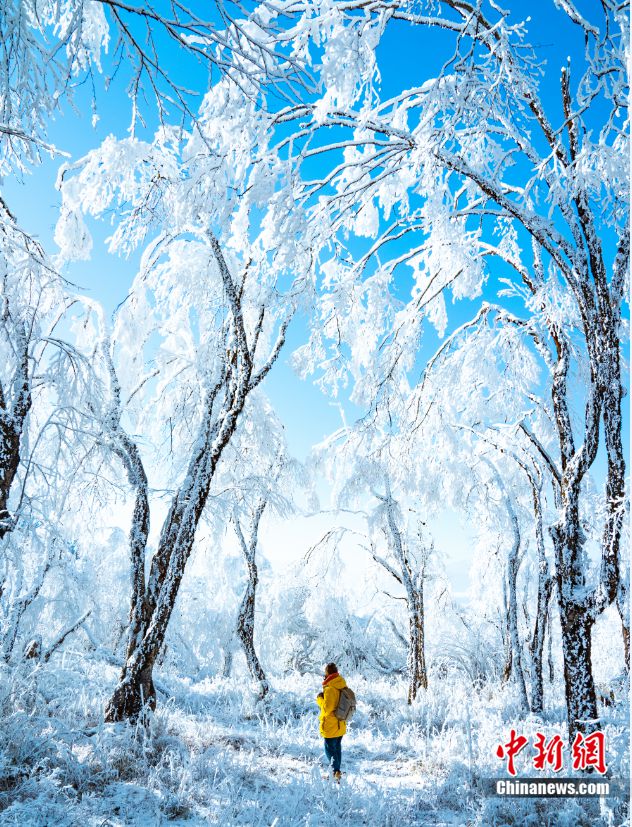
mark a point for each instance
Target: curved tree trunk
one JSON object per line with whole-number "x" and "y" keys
{"x": 152, "y": 609}
{"x": 246, "y": 629}
{"x": 246, "y": 617}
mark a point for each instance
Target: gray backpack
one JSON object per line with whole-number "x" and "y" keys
{"x": 346, "y": 705}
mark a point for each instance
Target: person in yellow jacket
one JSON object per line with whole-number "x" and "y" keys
{"x": 331, "y": 728}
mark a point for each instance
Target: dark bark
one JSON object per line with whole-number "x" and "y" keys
{"x": 581, "y": 700}
{"x": 623, "y": 608}
{"x": 576, "y": 620}
{"x": 246, "y": 617}
{"x": 517, "y": 672}
{"x": 134, "y": 694}
{"x": 227, "y": 663}
{"x": 506, "y": 636}
{"x": 507, "y": 659}
{"x": 550, "y": 661}
{"x": 625, "y": 631}
{"x": 12, "y": 423}
{"x": 418, "y": 678}
{"x": 545, "y": 585}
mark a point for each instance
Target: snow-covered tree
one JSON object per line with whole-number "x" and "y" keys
{"x": 204, "y": 322}
{"x": 37, "y": 409}
{"x": 256, "y": 476}
{"x": 462, "y": 175}
{"x": 369, "y": 472}
{"x": 480, "y": 171}
{"x": 209, "y": 357}
{"x": 50, "y": 49}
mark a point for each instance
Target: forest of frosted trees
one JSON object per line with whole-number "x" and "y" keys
{"x": 413, "y": 214}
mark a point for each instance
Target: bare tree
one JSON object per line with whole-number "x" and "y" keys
{"x": 246, "y": 616}
{"x": 545, "y": 588}
{"x": 534, "y": 475}
{"x": 513, "y": 561}
{"x": 409, "y": 570}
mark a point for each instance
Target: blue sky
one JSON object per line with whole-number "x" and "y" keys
{"x": 408, "y": 55}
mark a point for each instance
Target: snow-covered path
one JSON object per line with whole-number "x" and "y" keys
{"x": 266, "y": 767}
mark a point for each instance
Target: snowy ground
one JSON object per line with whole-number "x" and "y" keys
{"x": 214, "y": 755}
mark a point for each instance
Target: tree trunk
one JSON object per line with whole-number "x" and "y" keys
{"x": 12, "y": 424}
{"x": 550, "y": 661}
{"x": 623, "y": 607}
{"x": 227, "y": 664}
{"x": 576, "y": 620}
{"x": 418, "y": 678}
{"x": 545, "y": 585}
{"x": 135, "y": 688}
{"x": 577, "y": 616}
{"x": 134, "y": 692}
{"x": 537, "y": 643}
{"x": 513, "y": 565}
{"x": 506, "y": 636}
{"x": 516, "y": 661}
{"x": 579, "y": 606}
{"x": 413, "y": 583}
{"x": 19, "y": 607}
{"x": 625, "y": 630}
{"x": 246, "y": 617}
{"x": 581, "y": 704}
{"x": 246, "y": 630}
{"x": 581, "y": 700}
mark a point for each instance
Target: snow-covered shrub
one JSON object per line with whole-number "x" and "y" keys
{"x": 215, "y": 754}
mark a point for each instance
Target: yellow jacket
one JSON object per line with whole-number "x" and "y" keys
{"x": 330, "y": 726}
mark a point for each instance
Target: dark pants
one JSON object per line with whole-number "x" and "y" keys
{"x": 333, "y": 751}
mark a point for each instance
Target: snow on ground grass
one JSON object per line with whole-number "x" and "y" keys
{"x": 213, "y": 754}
